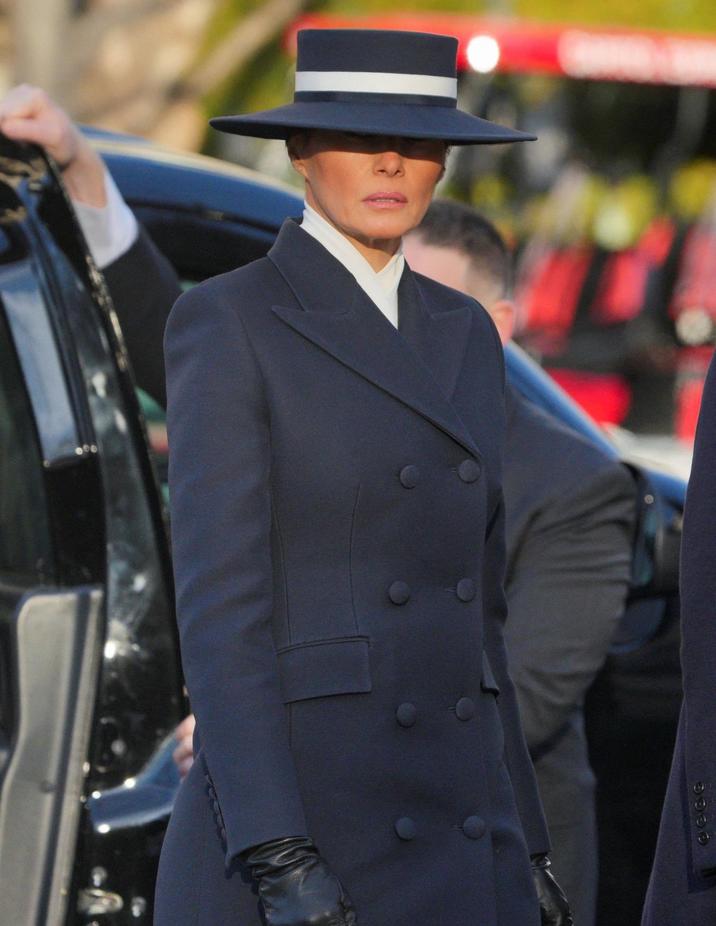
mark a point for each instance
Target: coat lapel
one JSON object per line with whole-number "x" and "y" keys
{"x": 439, "y": 338}
{"x": 338, "y": 316}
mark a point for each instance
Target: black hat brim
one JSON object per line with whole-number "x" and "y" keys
{"x": 451, "y": 125}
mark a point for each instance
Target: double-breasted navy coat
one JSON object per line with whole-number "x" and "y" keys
{"x": 337, "y": 528}
{"x": 682, "y": 888}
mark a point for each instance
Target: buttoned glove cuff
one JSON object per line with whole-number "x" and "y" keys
{"x": 540, "y": 860}
{"x": 271, "y": 857}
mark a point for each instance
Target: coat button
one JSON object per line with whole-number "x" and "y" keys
{"x": 469, "y": 470}
{"x": 699, "y": 787}
{"x": 701, "y": 820}
{"x": 406, "y": 714}
{"x": 409, "y": 476}
{"x": 700, "y": 803}
{"x": 465, "y": 590}
{"x": 406, "y": 828}
{"x": 474, "y": 827}
{"x": 465, "y": 709}
{"x": 703, "y": 839}
{"x": 399, "y": 592}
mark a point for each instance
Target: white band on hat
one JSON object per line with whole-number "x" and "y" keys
{"x": 375, "y": 82}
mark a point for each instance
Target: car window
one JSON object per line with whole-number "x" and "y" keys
{"x": 24, "y": 527}
{"x": 200, "y": 246}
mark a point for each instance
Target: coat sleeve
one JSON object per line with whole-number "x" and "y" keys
{"x": 219, "y": 480}
{"x": 570, "y": 578}
{"x": 517, "y": 759}
{"x": 698, "y": 629}
{"x": 144, "y": 285}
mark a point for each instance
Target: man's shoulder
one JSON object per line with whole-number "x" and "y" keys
{"x": 544, "y": 452}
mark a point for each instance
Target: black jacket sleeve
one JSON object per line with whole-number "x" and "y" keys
{"x": 144, "y": 285}
{"x": 517, "y": 759}
{"x": 567, "y": 591}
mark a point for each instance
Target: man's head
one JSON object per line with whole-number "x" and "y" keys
{"x": 456, "y": 246}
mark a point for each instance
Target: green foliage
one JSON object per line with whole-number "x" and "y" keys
{"x": 225, "y": 17}
{"x": 366, "y": 7}
{"x": 266, "y": 81}
{"x": 682, "y": 15}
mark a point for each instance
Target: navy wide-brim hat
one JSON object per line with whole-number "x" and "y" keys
{"x": 374, "y": 82}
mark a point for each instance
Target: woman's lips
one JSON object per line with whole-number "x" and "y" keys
{"x": 386, "y": 200}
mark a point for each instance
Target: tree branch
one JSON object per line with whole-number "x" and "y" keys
{"x": 245, "y": 40}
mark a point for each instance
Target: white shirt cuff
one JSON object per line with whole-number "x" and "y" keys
{"x": 110, "y": 230}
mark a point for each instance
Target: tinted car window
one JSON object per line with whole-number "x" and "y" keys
{"x": 203, "y": 246}
{"x": 24, "y": 528}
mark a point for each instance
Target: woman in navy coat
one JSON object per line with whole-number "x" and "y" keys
{"x": 337, "y": 527}
{"x": 682, "y": 888}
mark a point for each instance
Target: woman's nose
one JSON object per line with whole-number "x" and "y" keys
{"x": 389, "y": 162}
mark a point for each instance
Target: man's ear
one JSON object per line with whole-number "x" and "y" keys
{"x": 504, "y": 315}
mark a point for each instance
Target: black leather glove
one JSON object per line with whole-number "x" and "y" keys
{"x": 553, "y": 905}
{"x": 296, "y": 887}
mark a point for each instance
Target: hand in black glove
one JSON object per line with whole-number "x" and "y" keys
{"x": 553, "y": 905}
{"x": 296, "y": 887}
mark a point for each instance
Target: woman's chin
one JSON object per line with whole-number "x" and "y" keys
{"x": 386, "y": 228}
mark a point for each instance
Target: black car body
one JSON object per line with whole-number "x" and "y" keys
{"x": 90, "y": 675}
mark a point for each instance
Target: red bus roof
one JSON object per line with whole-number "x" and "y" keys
{"x": 520, "y": 46}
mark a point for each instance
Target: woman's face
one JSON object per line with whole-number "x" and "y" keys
{"x": 372, "y": 188}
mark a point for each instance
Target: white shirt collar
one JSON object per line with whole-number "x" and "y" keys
{"x": 381, "y": 287}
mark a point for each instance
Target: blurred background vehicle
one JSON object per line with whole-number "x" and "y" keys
{"x": 89, "y": 663}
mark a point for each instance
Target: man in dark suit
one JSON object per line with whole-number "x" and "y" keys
{"x": 569, "y": 517}
{"x": 682, "y": 889}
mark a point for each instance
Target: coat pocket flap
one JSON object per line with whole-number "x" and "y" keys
{"x": 488, "y": 683}
{"x": 324, "y": 667}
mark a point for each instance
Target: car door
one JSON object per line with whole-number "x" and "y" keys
{"x": 90, "y": 680}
